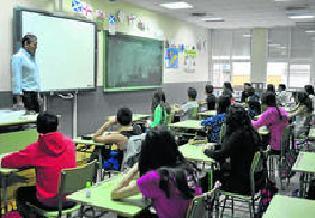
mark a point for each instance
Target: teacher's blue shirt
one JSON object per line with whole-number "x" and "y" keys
{"x": 25, "y": 75}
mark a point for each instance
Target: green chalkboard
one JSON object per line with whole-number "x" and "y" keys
{"x": 132, "y": 63}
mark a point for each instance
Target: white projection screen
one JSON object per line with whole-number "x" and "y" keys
{"x": 66, "y": 49}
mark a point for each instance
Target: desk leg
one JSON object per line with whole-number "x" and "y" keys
{"x": 4, "y": 187}
{"x": 100, "y": 170}
{"x": 301, "y": 185}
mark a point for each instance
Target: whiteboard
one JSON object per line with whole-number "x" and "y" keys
{"x": 66, "y": 50}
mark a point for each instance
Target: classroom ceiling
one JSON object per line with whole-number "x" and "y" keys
{"x": 239, "y": 13}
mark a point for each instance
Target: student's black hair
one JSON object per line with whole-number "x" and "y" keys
{"x": 124, "y": 116}
{"x": 309, "y": 89}
{"x": 28, "y": 38}
{"x": 271, "y": 102}
{"x": 224, "y": 103}
{"x": 227, "y": 93}
{"x": 46, "y": 123}
{"x": 227, "y": 85}
{"x": 158, "y": 98}
{"x": 209, "y": 89}
{"x": 238, "y": 122}
{"x": 282, "y": 87}
{"x": 270, "y": 88}
{"x": 237, "y": 117}
{"x": 159, "y": 152}
{"x": 251, "y": 91}
{"x": 304, "y": 99}
{"x": 192, "y": 93}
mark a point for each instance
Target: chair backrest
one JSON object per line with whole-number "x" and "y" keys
{"x": 74, "y": 179}
{"x": 286, "y": 139}
{"x": 133, "y": 149}
{"x": 200, "y": 204}
{"x": 256, "y": 166}
{"x": 192, "y": 113}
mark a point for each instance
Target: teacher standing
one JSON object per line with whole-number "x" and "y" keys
{"x": 25, "y": 75}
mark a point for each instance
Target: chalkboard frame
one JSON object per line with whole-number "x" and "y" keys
{"x": 106, "y": 67}
{"x": 17, "y": 36}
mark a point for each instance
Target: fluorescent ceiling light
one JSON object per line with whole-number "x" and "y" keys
{"x": 247, "y": 35}
{"x": 301, "y": 16}
{"x": 176, "y": 5}
{"x": 274, "y": 45}
{"x": 310, "y": 31}
{"x": 213, "y": 19}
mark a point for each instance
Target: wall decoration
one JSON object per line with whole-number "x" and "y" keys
{"x": 141, "y": 25}
{"x": 181, "y": 48}
{"x": 171, "y": 58}
{"x": 190, "y": 60}
{"x": 87, "y": 10}
{"x": 112, "y": 25}
{"x": 100, "y": 19}
{"x": 131, "y": 19}
{"x": 77, "y": 6}
{"x": 120, "y": 16}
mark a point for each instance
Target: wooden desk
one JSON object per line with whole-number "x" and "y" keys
{"x": 287, "y": 207}
{"x": 100, "y": 198}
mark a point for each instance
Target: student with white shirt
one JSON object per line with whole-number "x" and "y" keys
{"x": 25, "y": 75}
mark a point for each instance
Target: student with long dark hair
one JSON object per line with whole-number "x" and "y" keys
{"x": 276, "y": 119}
{"x": 240, "y": 143}
{"x": 165, "y": 177}
{"x": 160, "y": 109}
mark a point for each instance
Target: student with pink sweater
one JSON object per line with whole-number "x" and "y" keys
{"x": 50, "y": 154}
{"x": 276, "y": 119}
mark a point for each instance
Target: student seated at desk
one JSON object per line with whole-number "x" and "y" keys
{"x": 271, "y": 88}
{"x": 240, "y": 143}
{"x": 165, "y": 177}
{"x": 254, "y": 106}
{"x": 50, "y": 154}
{"x": 211, "y": 99}
{"x": 276, "y": 119}
{"x": 120, "y": 137}
{"x": 160, "y": 110}
{"x": 214, "y": 123}
{"x": 190, "y": 108}
{"x": 302, "y": 114}
{"x": 245, "y": 92}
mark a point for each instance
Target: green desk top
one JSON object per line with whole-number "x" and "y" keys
{"x": 187, "y": 124}
{"x": 19, "y": 120}
{"x": 305, "y": 162}
{"x": 287, "y": 207}
{"x": 311, "y": 135}
{"x": 195, "y": 153}
{"x": 208, "y": 113}
{"x": 15, "y": 141}
{"x": 100, "y": 198}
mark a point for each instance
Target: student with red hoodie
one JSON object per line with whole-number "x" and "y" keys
{"x": 51, "y": 153}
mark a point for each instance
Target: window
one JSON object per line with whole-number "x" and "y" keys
{"x": 221, "y": 73}
{"x": 240, "y": 73}
{"x": 299, "y": 75}
{"x": 277, "y": 73}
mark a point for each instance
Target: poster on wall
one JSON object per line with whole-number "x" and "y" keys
{"x": 190, "y": 60}
{"x": 171, "y": 58}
